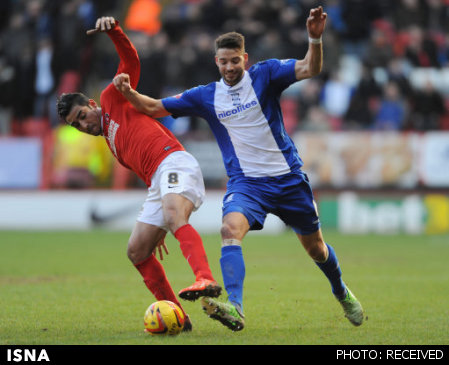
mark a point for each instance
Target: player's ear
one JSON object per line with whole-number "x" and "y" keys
{"x": 245, "y": 57}
{"x": 92, "y": 103}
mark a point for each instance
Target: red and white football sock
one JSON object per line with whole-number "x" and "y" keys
{"x": 154, "y": 277}
{"x": 192, "y": 248}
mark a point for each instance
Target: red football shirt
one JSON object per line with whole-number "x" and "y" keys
{"x": 138, "y": 141}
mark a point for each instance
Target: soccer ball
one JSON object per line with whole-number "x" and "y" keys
{"x": 164, "y": 318}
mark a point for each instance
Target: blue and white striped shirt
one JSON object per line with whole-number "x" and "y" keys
{"x": 246, "y": 119}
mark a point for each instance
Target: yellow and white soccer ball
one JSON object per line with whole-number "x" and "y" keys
{"x": 164, "y": 318}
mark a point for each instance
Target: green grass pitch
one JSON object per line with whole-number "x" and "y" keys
{"x": 62, "y": 288}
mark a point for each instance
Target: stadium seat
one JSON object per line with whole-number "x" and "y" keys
{"x": 69, "y": 82}
{"x": 35, "y": 127}
{"x": 290, "y": 110}
{"x": 444, "y": 121}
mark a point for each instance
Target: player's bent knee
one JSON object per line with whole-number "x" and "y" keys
{"x": 227, "y": 231}
{"x": 235, "y": 226}
{"x": 175, "y": 218}
{"x": 176, "y": 222}
{"x": 231, "y": 232}
{"x": 136, "y": 255}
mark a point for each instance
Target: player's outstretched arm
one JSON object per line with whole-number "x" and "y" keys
{"x": 312, "y": 63}
{"x": 129, "y": 59}
{"x": 144, "y": 104}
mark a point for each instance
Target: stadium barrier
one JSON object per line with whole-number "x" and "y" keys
{"x": 89, "y": 209}
{"x": 350, "y": 212}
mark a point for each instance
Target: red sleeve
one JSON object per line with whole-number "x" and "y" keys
{"x": 129, "y": 59}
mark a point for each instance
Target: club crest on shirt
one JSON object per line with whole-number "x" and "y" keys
{"x": 235, "y": 97}
{"x": 106, "y": 120}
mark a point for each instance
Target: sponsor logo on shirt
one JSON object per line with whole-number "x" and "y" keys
{"x": 112, "y": 131}
{"x": 238, "y": 109}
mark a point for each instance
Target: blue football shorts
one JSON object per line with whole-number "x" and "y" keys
{"x": 288, "y": 196}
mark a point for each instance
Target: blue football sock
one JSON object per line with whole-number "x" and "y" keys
{"x": 331, "y": 268}
{"x": 233, "y": 271}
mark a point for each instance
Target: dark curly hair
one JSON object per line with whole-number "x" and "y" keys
{"x": 66, "y": 102}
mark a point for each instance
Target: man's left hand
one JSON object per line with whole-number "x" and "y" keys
{"x": 316, "y": 22}
{"x": 103, "y": 24}
{"x": 161, "y": 245}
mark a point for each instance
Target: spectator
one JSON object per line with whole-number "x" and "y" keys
{"x": 421, "y": 50}
{"x": 270, "y": 43}
{"x": 69, "y": 38}
{"x": 357, "y": 16}
{"x": 437, "y": 16}
{"x": 18, "y": 48}
{"x": 392, "y": 110}
{"x": 397, "y": 71}
{"x": 427, "y": 108}
{"x": 153, "y": 55}
{"x": 380, "y": 50}
{"x": 336, "y": 96}
{"x": 409, "y": 13}
{"x": 443, "y": 51}
{"x": 308, "y": 96}
{"x": 335, "y": 18}
{"x": 363, "y": 103}
{"x": 45, "y": 81}
{"x": 316, "y": 120}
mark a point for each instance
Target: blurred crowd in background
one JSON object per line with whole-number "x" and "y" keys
{"x": 372, "y": 49}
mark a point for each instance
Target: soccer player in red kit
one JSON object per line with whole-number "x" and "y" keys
{"x": 174, "y": 179}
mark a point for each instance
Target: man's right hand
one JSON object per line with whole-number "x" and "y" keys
{"x": 142, "y": 103}
{"x": 122, "y": 83}
{"x": 103, "y": 24}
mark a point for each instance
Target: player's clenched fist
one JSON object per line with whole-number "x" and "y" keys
{"x": 122, "y": 83}
{"x": 316, "y": 22}
{"x": 103, "y": 24}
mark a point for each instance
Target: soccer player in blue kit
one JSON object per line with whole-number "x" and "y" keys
{"x": 261, "y": 160}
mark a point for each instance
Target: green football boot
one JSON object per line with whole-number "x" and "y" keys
{"x": 352, "y": 308}
{"x": 226, "y": 313}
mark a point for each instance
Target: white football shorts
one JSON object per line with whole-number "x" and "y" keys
{"x": 178, "y": 173}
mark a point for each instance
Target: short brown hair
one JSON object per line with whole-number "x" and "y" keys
{"x": 232, "y": 40}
